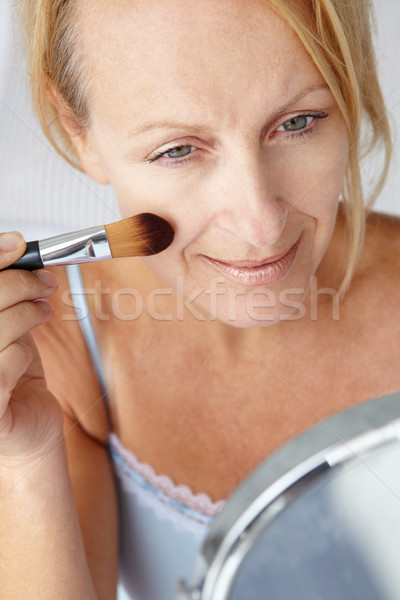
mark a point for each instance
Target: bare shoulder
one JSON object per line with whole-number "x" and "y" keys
{"x": 383, "y": 235}
{"x": 69, "y": 372}
{"x": 380, "y": 259}
{"x": 375, "y": 290}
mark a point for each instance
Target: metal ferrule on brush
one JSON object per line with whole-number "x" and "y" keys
{"x": 88, "y": 245}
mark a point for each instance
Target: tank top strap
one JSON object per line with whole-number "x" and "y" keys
{"x": 78, "y": 297}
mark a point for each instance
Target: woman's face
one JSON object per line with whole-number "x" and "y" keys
{"x": 213, "y": 116}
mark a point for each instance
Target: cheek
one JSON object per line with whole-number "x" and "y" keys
{"x": 313, "y": 181}
{"x": 138, "y": 190}
{"x": 177, "y": 202}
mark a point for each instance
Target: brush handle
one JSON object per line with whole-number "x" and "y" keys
{"x": 31, "y": 260}
{"x": 86, "y": 245}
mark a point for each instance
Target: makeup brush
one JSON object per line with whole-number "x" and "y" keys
{"x": 140, "y": 235}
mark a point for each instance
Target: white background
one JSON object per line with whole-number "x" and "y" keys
{"x": 41, "y": 195}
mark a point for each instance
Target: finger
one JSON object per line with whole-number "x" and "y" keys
{"x": 17, "y": 320}
{"x": 20, "y": 285}
{"x": 14, "y": 361}
{"x": 35, "y": 369}
{"x": 12, "y": 247}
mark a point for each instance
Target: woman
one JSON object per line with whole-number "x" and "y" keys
{"x": 274, "y": 307}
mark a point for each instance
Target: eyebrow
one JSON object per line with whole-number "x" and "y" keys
{"x": 164, "y": 124}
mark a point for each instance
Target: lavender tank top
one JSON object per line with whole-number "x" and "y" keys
{"x": 162, "y": 525}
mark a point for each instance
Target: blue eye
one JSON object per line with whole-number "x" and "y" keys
{"x": 179, "y": 151}
{"x": 301, "y": 125}
{"x": 296, "y": 124}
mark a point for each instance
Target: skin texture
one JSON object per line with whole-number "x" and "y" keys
{"x": 251, "y": 189}
{"x": 201, "y": 397}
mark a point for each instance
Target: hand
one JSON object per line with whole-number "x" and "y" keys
{"x": 31, "y": 420}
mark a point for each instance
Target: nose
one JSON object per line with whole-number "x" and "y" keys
{"x": 249, "y": 206}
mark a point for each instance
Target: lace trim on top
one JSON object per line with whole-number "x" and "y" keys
{"x": 198, "y": 506}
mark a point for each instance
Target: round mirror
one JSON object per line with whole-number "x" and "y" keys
{"x": 319, "y": 520}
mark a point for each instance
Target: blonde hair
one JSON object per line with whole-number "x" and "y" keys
{"x": 336, "y": 33}
{"x": 50, "y": 34}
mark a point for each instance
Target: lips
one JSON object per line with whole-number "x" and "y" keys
{"x": 254, "y": 273}
{"x": 252, "y": 263}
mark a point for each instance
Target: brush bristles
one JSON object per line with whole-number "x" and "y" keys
{"x": 141, "y": 235}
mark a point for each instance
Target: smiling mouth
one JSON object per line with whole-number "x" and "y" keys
{"x": 254, "y": 273}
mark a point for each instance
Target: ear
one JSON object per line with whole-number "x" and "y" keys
{"x": 89, "y": 158}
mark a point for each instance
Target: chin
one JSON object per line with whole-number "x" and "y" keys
{"x": 263, "y": 307}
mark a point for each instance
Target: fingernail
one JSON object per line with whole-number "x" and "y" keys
{"x": 9, "y": 241}
{"x": 45, "y": 305}
{"x": 47, "y": 278}
{"x": 23, "y": 345}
